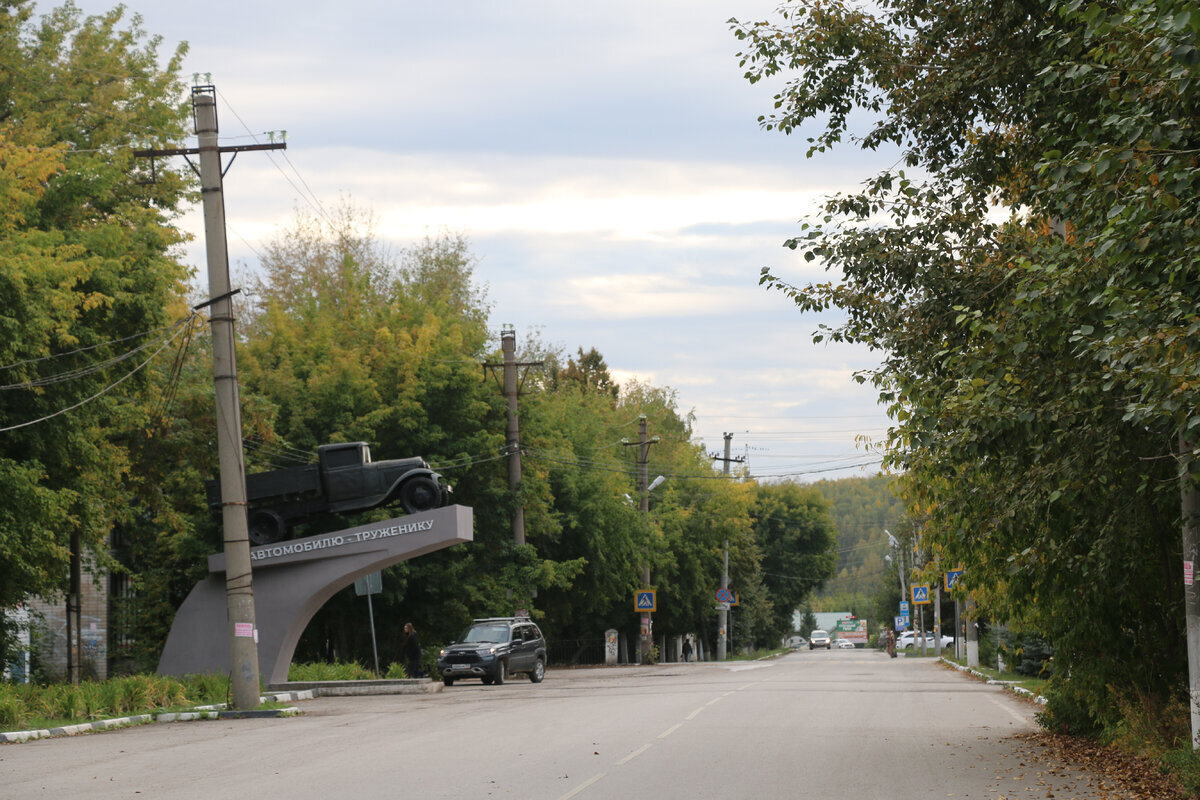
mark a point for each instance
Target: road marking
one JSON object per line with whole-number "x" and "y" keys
{"x": 670, "y": 730}
{"x": 582, "y": 786}
{"x": 696, "y": 712}
{"x": 716, "y": 699}
{"x": 1009, "y": 709}
{"x": 748, "y": 685}
{"x": 744, "y": 667}
{"x": 635, "y": 753}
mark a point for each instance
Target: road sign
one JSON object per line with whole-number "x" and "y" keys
{"x": 903, "y": 606}
{"x": 724, "y": 596}
{"x": 952, "y": 578}
{"x": 644, "y": 600}
{"x": 737, "y": 599}
{"x": 901, "y": 622}
{"x": 369, "y": 585}
{"x": 920, "y": 595}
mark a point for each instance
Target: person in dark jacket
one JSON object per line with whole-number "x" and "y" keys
{"x": 412, "y": 652}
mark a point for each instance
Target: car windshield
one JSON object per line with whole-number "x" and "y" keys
{"x": 819, "y": 635}
{"x": 485, "y": 634}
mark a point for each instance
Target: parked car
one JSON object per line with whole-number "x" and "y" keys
{"x": 910, "y": 639}
{"x": 493, "y": 649}
{"x": 845, "y": 644}
{"x": 819, "y": 639}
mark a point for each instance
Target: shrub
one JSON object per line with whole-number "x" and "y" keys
{"x": 341, "y": 671}
{"x": 12, "y": 710}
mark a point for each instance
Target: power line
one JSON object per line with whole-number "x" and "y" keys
{"x": 98, "y": 394}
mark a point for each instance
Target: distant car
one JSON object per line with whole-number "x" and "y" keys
{"x": 819, "y": 639}
{"x": 798, "y": 642}
{"x": 845, "y": 644}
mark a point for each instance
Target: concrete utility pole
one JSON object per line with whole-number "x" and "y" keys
{"x": 643, "y": 444}
{"x": 508, "y": 345}
{"x": 1190, "y": 507}
{"x": 723, "y": 613}
{"x": 972, "y": 634}
{"x": 727, "y": 459}
{"x": 512, "y": 391}
{"x": 239, "y": 589}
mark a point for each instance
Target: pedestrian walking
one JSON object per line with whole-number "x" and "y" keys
{"x": 687, "y": 649}
{"x": 412, "y": 652}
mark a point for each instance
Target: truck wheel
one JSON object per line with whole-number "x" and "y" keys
{"x": 266, "y": 527}
{"x": 421, "y": 493}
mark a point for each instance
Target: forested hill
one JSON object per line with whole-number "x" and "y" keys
{"x": 862, "y": 508}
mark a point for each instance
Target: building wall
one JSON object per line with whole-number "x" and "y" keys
{"x": 50, "y": 629}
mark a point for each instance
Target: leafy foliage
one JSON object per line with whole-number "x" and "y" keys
{"x": 85, "y": 278}
{"x": 1039, "y": 367}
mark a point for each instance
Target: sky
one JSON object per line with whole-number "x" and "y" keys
{"x": 604, "y": 161}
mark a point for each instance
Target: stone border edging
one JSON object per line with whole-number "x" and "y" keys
{"x": 1009, "y": 685}
{"x": 219, "y": 711}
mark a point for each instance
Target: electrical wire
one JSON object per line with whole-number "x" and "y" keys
{"x": 100, "y": 393}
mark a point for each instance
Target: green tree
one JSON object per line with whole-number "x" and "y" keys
{"x": 1039, "y": 367}
{"x": 88, "y": 290}
{"x": 796, "y": 536}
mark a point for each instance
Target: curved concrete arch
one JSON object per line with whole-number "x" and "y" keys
{"x": 292, "y": 580}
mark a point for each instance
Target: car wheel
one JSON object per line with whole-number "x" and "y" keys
{"x": 266, "y": 527}
{"x": 488, "y": 680}
{"x": 810, "y": 647}
{"x": 538, "y": 672}
{"x": 501, "y": 673}
{"x": 448, "y": 681}
{"x": 829, "y": 646}
{"x": 420, "y": 494}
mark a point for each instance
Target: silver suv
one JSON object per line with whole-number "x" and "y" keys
{"x": 819, "y": 639}
{"x": 494, "y": 648}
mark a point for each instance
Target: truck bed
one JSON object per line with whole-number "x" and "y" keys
{"x": 274, "y": 485}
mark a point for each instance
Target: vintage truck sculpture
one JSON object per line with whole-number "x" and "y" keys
{"x": 344, "y": 479}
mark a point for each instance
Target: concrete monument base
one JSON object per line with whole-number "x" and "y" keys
{"x": 292, "y": 580}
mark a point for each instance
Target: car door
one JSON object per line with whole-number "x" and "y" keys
{"x": 529, "y": 639}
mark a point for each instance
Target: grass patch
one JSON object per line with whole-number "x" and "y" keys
{"x": 338, "y": 671}
{"x": 25, "y": 706}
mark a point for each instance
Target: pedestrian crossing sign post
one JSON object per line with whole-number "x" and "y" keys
{"x": 644, "y": 600}
{"x": 920, "y": 595}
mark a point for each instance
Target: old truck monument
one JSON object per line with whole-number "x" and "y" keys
{"x": 294, "y": 578}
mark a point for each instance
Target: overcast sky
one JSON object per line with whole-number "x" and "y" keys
{"x": 604, "y": 160}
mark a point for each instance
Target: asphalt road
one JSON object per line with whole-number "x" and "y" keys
{"x": 821, "y": 724}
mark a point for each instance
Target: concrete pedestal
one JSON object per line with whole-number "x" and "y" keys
{"x": 292, "y": 580}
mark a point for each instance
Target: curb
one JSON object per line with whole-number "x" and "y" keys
{"x": 1008, "y": 685}
{"x": 199, "y": 712}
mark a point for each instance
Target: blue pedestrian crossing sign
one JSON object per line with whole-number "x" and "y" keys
{"x": 952, "y": 578}
{"x": 643, "y": 600}
{"x": 920, "y": 595}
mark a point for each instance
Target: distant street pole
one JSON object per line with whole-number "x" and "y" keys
{"x": 723, "y": 614}
{"x": 643, "y": 477}
{"x": 1190, "y": 507}
{"x": 511, "y": 387}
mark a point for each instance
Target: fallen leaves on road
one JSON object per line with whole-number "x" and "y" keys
{"x": 1122, "y": 776}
